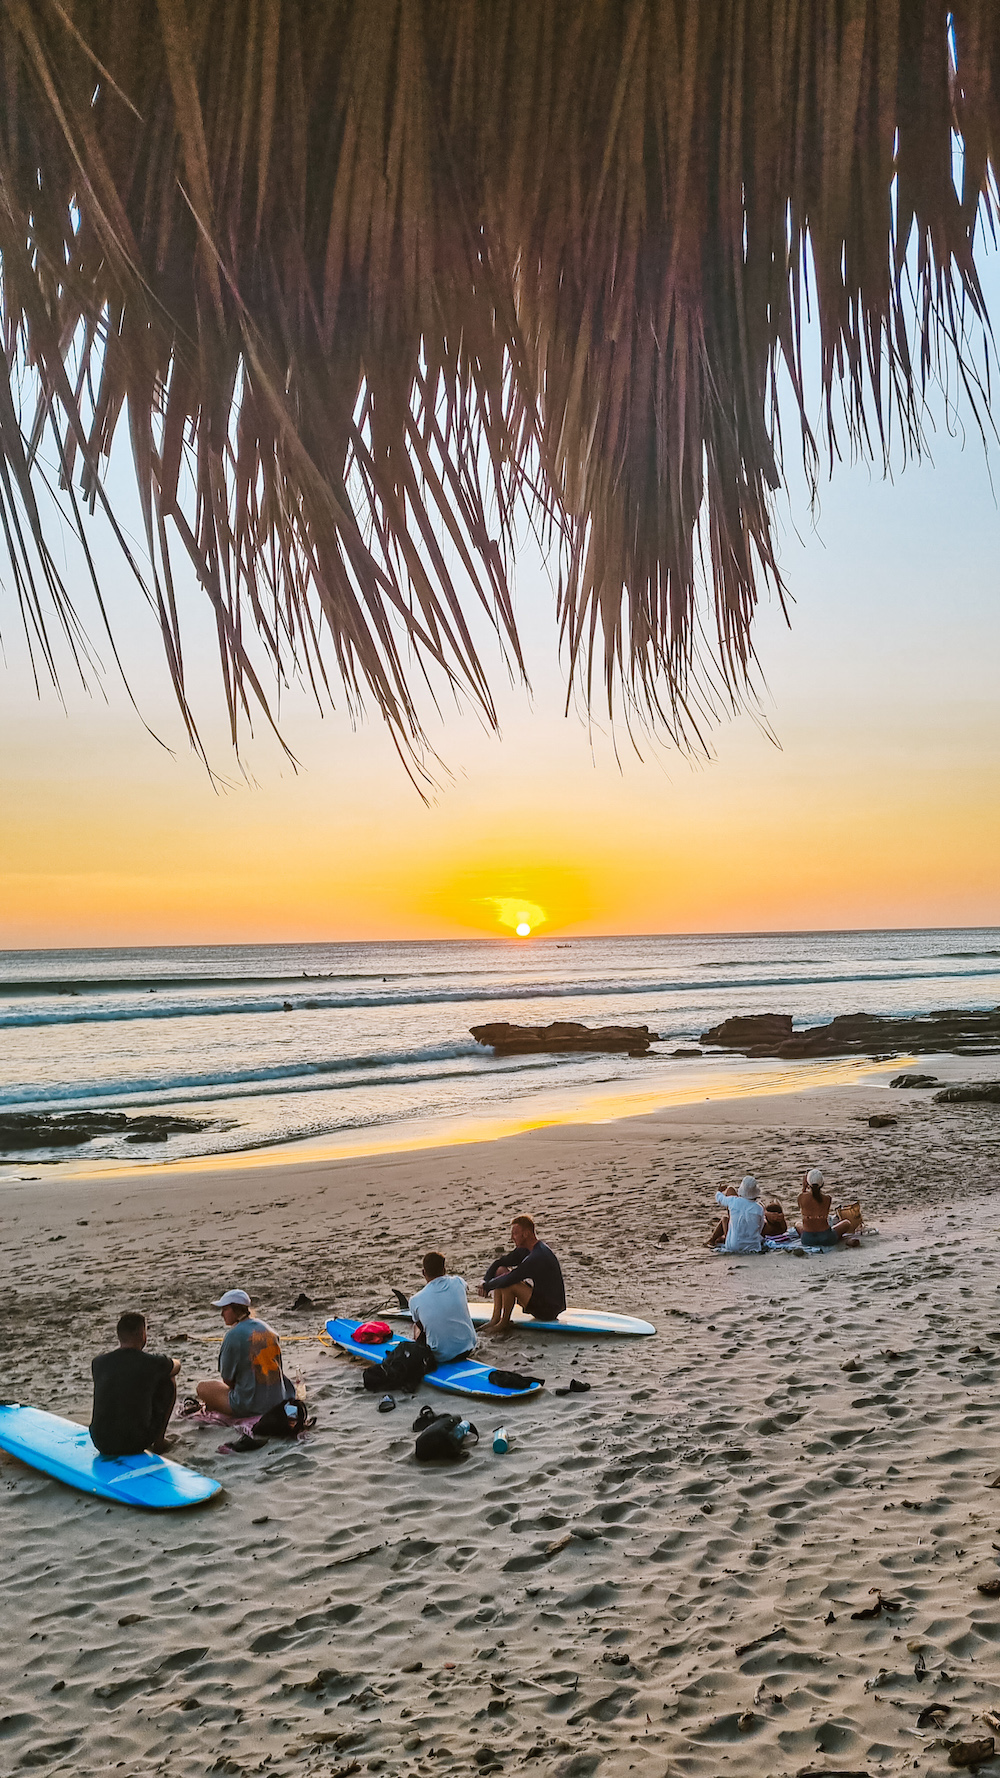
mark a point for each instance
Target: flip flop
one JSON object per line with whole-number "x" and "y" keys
{"x": 387, "y": 1404}
{"x": 574, "y": 1388}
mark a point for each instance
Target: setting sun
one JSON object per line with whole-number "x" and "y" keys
{"x": 523, "y": 929}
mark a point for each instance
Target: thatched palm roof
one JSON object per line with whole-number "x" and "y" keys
{"x": 361, "y": 276}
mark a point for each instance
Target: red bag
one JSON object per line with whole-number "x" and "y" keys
{"x": 373, "y": 1333}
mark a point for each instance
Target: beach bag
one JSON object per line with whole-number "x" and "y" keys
{"x": 437, "y": 1442}
{"x": 373, "y": 1333}
{"x": 404, "y": 1368}
{"x": 851, "y": 1213}
{"x": 286, "y": 1420}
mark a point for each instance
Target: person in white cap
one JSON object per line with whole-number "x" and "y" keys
{"x": 251, "y": 1379}
{"x": 814, "y": 1225}
{"x": 745, "y": 1219}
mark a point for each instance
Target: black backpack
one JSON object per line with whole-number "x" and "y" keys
{"x": 404, "y": 1368}
{"x": 436, "y": 1441}
{"x": 286, "y": 1420}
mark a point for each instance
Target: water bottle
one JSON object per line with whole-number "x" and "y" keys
{"x": 501, "y": 1441}
{"x": 461, "y": 1431}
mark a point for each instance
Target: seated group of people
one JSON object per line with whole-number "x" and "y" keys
{"x": 747, "y": 1222}
{"x": 135, "y": 1391}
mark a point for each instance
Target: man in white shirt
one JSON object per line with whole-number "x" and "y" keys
{"x": 746, "y": 1217}
{"x": 441, "y": 1312}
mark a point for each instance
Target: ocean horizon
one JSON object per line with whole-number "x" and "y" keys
{"x": 290, "y": 1043}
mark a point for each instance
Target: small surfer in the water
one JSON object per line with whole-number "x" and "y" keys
{"x": 531, "y": 1276}
{"x": 134, "y": 1394}
{"x": 250, "y": 1379}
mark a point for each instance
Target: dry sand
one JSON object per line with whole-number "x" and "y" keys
{"x": 658, "y": 1578}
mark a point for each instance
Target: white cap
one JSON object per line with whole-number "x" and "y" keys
{"x": 235, "y": 1299}
{"x": 748, "y": 1186}
{"x": 814, "y": 1176}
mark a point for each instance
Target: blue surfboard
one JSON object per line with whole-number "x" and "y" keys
{"x": 62, "y": 1449}
{"x": 464, "y": 1377}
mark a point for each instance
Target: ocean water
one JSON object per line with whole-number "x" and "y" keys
{"x": 286, "y": 1043}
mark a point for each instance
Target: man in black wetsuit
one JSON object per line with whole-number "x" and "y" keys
{"x": 134, "y": 1394}
{"x": 530, "y": 1276}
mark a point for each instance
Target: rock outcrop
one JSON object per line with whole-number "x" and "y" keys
{"x": 21, "y": 1130}
{"x": 562, "y": 1038}
{"x": 861, "y": 1033}
{"x": 977, "y": 1092}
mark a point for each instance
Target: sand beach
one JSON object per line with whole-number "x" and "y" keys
{"x": 661, "y": 1576}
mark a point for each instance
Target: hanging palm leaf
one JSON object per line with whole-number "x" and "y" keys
{"x": 365, "y": 281}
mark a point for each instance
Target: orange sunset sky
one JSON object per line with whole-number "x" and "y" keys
{"x": 878, "y": 806}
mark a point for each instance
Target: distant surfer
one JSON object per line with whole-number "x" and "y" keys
{"x": 440, "y": 1311}
{"x": 530, "y": 1277}
{"x": 251, "y": 1378}
{"x": 134, "y": 1394}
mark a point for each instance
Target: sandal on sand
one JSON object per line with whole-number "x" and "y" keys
{"x": 190, "y": 1405}
{"x": 574, "y": 1388}
{"x": 424, "y": 1418}
{"x": 387, "y": 1404}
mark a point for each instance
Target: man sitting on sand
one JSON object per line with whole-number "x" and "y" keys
{"x": 134, "y": 1394}
{"x": 746, "y": 1216}
{"x": 441, "y": 1312}
{"x": 530, "y": 1276}
{"x": 252, "y": 1379}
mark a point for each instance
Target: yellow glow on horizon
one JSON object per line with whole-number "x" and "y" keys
{"x": 516, "y": 914}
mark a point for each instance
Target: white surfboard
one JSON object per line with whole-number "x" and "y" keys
{"x": 574, "y": 1321}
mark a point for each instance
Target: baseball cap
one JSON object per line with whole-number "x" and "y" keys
{"x": 236, "y": 1299}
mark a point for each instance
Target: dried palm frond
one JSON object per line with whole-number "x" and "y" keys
{"x": 368, "y": 279}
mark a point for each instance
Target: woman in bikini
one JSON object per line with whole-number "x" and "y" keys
{"x": 814, "y": 1226}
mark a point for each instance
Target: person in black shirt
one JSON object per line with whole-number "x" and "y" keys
{"x": 530, "y": 1276}
{"x": 134, "y": 1394}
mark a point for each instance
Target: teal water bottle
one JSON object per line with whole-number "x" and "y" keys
{"x": 501, "y": 1440}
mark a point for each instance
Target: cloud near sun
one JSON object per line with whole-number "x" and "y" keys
{"x": 519, "y": 915}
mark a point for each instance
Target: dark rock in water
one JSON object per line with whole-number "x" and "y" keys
{"x": 768, "y": 1028}
{"x": 303, "y": 1302}
{"x": 68, "y": 1129}
{"x": 860, "y": 1033}
{"x": 676, "y": 1053}
{"x": 881, "y": 1121}
{"x": 562, "y": 1037}
{"x": 977, "y": 1092}
{"x": 914, "y": 1080}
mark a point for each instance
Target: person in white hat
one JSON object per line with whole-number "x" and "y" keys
{"x": 251, "y": 1379}
{"x": 745, "y": 1217}
{"x": 814, "y": 1225}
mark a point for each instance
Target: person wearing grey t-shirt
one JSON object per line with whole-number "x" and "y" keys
{"x": 251, "y": 1379}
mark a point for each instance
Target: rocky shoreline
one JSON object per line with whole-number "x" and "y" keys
{"x": 24, "y": 1130}
{"x": 851, "y": 1034}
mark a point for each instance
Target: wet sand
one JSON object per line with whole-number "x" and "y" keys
{"x": 659, "y": 1576}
